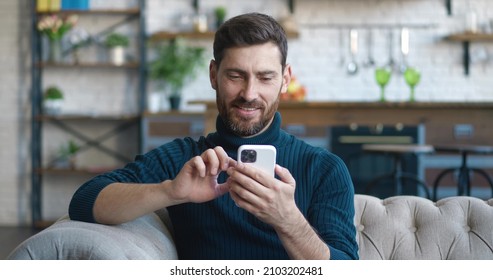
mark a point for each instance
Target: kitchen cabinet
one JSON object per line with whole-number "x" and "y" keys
{"x": 163, "y": 127}
{"x": 80, "y": 71}
{"x": 466, "y": 39}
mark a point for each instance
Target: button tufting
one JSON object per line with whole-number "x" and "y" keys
{"x": 413, "y": 229}
{"x": 361, "y": 227}
{"x": 467, "y": 228}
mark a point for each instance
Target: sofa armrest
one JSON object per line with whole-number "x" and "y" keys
{"x": 148, "y": 237}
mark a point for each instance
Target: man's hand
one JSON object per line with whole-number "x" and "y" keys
{"x": 269, "y": 199}
{"x": 272, "y": 201}
{"x": 197, "y": 180}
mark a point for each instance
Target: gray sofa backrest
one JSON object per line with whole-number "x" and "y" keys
{"x": 410, "y": 227}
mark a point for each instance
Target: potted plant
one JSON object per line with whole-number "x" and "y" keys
{"x": 52, "y": 100}
{"x": 175, "y": 64}
{"x": 220, "y": 13}
{"x": 66, "y": 155}
{"x": 116, "y": 43}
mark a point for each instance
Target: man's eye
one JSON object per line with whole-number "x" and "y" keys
{"x": 234, "y": 77}
{"x": 266, "y": 78}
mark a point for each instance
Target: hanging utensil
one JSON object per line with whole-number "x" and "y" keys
{"x": 342, "y": 49}
{"x": 370, "y": 61}
{"x": 404, "y": 49}
{"x": 352, "y": 67}
{"x": 391, "y": 63}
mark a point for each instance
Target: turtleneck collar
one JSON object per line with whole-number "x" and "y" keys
{"x": 225, "y": 138}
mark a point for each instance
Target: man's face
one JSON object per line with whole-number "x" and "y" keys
{"x": 248, "y": 84}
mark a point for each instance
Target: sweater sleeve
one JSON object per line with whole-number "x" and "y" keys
{"x": 332, "y": 209}
{"x": 82, "y": 203}
{"x": 156, "y": 166}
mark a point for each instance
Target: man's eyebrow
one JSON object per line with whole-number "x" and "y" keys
{"x": 267, "y": 72}
{"x": 244, "y": 73}
{"x": 236, "y": 70}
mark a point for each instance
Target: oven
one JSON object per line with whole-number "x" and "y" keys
{"x": 347, "y": 141}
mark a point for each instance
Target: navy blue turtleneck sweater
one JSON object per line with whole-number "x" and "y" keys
{"x": 218, "y": 229}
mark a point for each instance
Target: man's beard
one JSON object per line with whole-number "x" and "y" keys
{"x": 241, "y": 126}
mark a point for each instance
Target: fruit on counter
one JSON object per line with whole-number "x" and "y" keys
{"x": 295, "y": 92}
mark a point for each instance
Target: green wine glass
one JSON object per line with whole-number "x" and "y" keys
{"x": 382, "y": 76}
{"x": 412, "y": 77}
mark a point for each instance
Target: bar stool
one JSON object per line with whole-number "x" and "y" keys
{"x": 398, "y": 175}
{"x": 464, "y": 178}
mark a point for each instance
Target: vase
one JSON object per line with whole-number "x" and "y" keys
{"x": 174, "y": 102}
{"x": 52, "y": 106}
{"x": 55, "y": 51}
{"x": 154, "y": 102}
{"x": 117, "y": 55}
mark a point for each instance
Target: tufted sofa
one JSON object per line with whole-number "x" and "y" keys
{"x": 400, "y": 227}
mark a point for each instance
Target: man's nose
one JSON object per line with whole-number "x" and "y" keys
{"x": 250, "y": 91}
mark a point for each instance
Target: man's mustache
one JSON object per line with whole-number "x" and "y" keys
{"x": 241, "y": 102}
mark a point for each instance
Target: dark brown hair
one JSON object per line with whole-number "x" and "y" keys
{"x": 249, "y": 29}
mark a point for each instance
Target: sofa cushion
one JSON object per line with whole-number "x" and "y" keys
{"x": 410, "y": 227}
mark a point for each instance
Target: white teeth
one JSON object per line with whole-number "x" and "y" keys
{"x": 248, "y": 109}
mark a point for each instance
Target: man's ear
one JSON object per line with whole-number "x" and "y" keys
{"x": 286, "y": 78}
{"x": 213, "y": 74}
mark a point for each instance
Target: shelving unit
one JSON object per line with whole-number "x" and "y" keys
{"x": 69, "y": 123}
{"x": 466, "y": 39}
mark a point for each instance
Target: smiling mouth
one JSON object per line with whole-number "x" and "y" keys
{"x": 248, "y": 108}
{"x": 247, "y": 113}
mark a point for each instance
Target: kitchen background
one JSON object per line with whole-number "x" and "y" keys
{"x": 319, "y": 56}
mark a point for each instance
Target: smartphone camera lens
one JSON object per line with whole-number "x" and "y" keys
{"x": 248, "y": 156}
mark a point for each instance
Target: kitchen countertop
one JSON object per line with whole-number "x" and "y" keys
{"x": 377, "y": 105}
{"x": 380, "y": 105}
{"x": 440, "y": 118}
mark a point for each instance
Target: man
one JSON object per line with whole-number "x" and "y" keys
{"x": 222, "y": 209}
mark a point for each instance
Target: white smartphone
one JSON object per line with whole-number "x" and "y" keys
{"x": 261, "y": 156}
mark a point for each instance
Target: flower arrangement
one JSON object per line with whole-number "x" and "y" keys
{"x": 55, "y": 26}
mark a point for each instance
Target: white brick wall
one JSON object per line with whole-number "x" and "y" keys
{"x": 14, "y": 124}
{"x": 315, "y": 57}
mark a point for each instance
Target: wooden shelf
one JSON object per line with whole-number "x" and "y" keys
{"x": 75, "y": 171}
{"x": 466, "y": 38}
{"x": 470, "y": 37}
{"x": 148, "y": 114}
{"x": 130, "y": 11}
{"x": 81, "y": 117}
{"x": 128, "y": 65}
{"x": 164, "y": 35}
